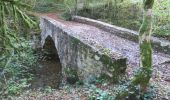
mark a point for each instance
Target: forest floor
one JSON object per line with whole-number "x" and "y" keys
{"x": 44, "y": 88}
{"x": 43, "y": 85}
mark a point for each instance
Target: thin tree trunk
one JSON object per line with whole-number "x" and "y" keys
{"x": 144, "y": 75}
{"x": 116, "y": 11}
{"x": 76, "y": 6}
{"x": 86, "y": 4}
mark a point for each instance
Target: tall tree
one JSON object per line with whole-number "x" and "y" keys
{"x": 144, "y": 74}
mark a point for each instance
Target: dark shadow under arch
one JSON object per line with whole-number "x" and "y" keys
{"x": 50, "y": 49}
{"x": 49, "y": 74}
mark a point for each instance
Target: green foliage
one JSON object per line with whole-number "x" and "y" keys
{"x": 124, "y": 14}
{"x": 18, "y": 71}
{"x": 67, "y": 7}
{"x": 16, "y": 57}
{"x": 131, "y": 92}
{"x": 161, "y": 12}
{"x": 128, "y": 14}
{"x": 71, "y": 75}
{"x": 48, "y": 6}
{"x": 10, "y": 10}
{"x": 98, "y": 94}
{"x": 70, "y": 8}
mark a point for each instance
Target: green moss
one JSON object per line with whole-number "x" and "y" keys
{"x": 71, "y": 75}
{"x": 115, "y": 64}
{"x": 75, "y": 41}
{"x": 105, "y": 51}
{"x": 106, "y": 60}
{"x": 143, "y": 76}
{"x": 146, "y": 54}
{"x": 115, "y": 67}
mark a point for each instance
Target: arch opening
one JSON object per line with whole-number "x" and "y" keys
{"x": 49, "y": 73}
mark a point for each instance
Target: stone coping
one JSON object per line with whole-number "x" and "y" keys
{"x": 158, "y": 44}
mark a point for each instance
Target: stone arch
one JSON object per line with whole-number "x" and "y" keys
{"x": 52, "y": 58}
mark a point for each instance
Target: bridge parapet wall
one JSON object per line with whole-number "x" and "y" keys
{"x": 158, "y": 44}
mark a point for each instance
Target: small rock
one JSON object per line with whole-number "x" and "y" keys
{"x": 97, "y": 57}
{"x": 167, "y": 77}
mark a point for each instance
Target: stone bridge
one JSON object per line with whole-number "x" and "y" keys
{"x": 89, "y": 49}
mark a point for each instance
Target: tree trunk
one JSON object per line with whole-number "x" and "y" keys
{"x": 144, "y": 75}
{"x": 76, "y": 6}
{"x": 86, "y": 4}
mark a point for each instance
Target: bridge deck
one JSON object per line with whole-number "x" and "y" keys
{"x": 98, "y": 37}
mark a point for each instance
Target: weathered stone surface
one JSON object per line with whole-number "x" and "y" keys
{"x": 89, "y": 60}
{"x": 94, "y": 50}
{"x": 157, "y": 43}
